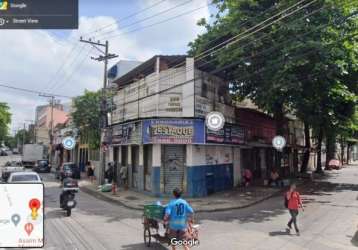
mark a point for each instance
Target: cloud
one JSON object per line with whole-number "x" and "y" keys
{"x": 31, "y": 58}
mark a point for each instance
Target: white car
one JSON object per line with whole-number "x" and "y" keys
{"x": 24, "y": 177}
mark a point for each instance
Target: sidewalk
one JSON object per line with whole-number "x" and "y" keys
{"x": 233, "y": 199}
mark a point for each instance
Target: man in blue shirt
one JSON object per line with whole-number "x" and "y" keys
{"x": 179, "y": 213}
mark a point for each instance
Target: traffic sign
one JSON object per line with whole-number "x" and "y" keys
{"x": 69, "y": 143}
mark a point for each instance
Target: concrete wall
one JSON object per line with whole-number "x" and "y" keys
{"x": 210, "y": 169}
{"x": 157, "y": 185}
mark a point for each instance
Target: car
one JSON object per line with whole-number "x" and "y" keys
{"x": 15, "y": 151}
{"x": 24, "y": 177}
{"x": 10, "y": 167}
{"x": 334, "y": 164}
{"x": 3, "y": 152}
{"x": 42, "y": 166}
{"x": 69, "y": 169}
{"x": 7, "y": 170}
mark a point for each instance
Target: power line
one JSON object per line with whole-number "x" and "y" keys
{"x": 97, "y": 30}
{"x": 70, "y": 66}
{"x": 148, "y": 18}
{"x": 75, "y": 69}
{"x": 32, "y": 91}
{"x": 160, "y": 22}
{"x": 210, "y": 52}
{"x": 53, "y": 79}
{"x": 234, "y": 41}
{"x": 217, "y": 70}
{"x": 124, "y": 18}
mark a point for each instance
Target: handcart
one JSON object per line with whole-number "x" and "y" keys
{"x": 153, "y": 222}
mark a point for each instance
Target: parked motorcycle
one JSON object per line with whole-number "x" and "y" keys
{"x": 67, "y": 196}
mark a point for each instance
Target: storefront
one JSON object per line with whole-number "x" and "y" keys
{"x": 162, "y": 154}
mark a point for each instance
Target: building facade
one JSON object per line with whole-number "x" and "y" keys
{"x": 158, "y": 130}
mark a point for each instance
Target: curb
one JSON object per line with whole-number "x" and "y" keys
{"x": 238, "y": 207}
{"x": 100, "y": 196}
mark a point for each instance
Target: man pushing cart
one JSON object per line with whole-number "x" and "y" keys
{"x": 176, "y": 218}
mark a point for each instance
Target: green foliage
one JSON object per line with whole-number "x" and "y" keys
{"x": 305, "y": 64}
{"x": 21, "y": 136}
{"x": 5, "y": 120}
{"x": 86, "y": 116}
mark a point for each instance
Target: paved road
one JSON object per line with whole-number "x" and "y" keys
{"x": 4, "y": 159}
{"x": 329, "y": 221}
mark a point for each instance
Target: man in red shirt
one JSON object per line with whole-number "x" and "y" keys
{"x": 294, "y": 202}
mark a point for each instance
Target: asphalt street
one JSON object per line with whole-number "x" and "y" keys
{"x": 329, "y": 221}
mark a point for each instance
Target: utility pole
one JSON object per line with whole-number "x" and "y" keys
{"x": 32, "y": 135}
{"x": 23, "y": 137}
{"x": 103, "y": 124}
{"x": 52, "y": 100}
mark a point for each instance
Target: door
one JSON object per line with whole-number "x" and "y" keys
{"x": 116, "y": 163}
{"x": 135, "y": 166}
{"x": 173, "y": 167}
{"x": 147, "y": 150}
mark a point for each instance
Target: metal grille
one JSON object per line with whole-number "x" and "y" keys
{"x": 173, "y": 167}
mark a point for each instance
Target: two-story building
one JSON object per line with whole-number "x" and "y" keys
{"x": 158, "y": 130}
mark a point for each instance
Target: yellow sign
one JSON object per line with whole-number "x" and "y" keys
{"x": 4, "y": 4}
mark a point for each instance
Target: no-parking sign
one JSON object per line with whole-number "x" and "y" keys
{"x": 69, "y": 143}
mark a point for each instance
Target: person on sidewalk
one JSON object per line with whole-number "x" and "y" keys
{"x": 247, "y": 175}
{"x": 123, "y": 173}
{"x": 179, "y": 216}
{"x": 90, "y": 171}
{"x": 275, "y": 178}
{"x": 110, "y": 172}
{"x": 294, "y": 202}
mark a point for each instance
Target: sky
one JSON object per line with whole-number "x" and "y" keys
{"x": 55, "y": 61}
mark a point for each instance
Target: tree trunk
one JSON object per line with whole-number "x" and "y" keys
{"x": 280, "y": 119}
{"x": 342, "y": 150}
{"x": 319, "y": 150}
{"x": 348, "y": 148}
{"x": 306, "y": 153}
{"x": 331, "y": 147}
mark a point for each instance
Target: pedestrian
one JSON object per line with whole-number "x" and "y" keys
{"x": 123, "y": 173}
{"x": 179, "y": 216}
{"x": 247, "y": 177}
{"x": 110, "y": 172}
{"x": 275, "y": 178}
{"x": 293, "y": 202}
{"x": 90, "y": 171}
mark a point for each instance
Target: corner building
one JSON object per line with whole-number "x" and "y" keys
{"x": 158, "y": 129}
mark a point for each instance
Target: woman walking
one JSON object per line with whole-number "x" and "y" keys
{"x": 294, "y": 202}
{"x": 90, "y": 171}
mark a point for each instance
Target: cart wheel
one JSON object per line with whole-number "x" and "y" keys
{"x": 147, "y": 237}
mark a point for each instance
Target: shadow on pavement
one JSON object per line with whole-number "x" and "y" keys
{"x": 155, "y": 246}
{"x": 279, "y": 233}
{"x": 58, "y": 213}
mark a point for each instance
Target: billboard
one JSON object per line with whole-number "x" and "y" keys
{"x": 173, "y": 131}
{"x": 129, "y": 133}
{"x": 229, "y": 134}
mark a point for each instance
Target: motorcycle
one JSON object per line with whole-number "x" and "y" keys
{"x": 67, "y": 196}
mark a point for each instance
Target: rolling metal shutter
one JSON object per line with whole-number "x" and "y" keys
{"x": 173, "y": 167}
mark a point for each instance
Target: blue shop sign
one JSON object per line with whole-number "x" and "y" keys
{"x": 173, "y": 131}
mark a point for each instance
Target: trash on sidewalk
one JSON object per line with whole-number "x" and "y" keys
{"x": 105, "y": 188}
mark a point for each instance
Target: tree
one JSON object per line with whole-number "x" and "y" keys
{"x": 86, "y": 116}
{"x": 5, "y": 120}
{"x": 304, "y": 64}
